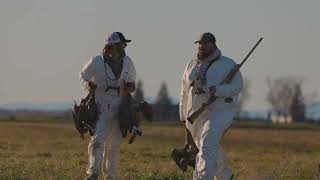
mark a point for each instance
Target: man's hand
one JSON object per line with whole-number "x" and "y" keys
{"x": 92, "y": 86}
{"x": 212, "y": 90}
{"x": 130, "y": 86}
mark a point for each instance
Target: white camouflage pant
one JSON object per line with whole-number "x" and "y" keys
{"x": 107, "y": 135}
{"x": 207, "y": 132}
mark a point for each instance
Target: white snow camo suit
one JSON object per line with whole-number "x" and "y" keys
{"x": 107, "y": 132}
{"x": 208, "y": 129}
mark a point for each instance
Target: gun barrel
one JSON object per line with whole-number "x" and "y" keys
{"x": 254, "y": 47}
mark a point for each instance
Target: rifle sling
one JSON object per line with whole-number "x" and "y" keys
{"x": 228, "y": 99}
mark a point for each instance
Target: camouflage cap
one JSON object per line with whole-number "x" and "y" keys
{"x": 206, "y": 37}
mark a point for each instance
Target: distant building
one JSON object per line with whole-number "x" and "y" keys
{"x": 281, "y": 119}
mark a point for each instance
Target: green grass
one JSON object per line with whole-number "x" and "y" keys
{"x": 48, "y": 150}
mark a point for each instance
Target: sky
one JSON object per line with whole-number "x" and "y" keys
{"x": 44, "y": 43}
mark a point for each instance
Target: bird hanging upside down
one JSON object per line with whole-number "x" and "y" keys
{"x": 129, "y": 112}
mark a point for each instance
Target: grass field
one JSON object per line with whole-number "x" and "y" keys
{"x": 48, "y": 150}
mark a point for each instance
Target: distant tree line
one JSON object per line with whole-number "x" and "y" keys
{"x": 285, "y": 96}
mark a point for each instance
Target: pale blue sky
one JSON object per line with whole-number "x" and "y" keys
{"x": 45, "y": 43}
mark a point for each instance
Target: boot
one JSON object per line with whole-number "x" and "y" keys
{"x": 92, "y": 177}
{"x": 178, "y": 156}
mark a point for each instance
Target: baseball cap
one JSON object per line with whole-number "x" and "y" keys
{"x": 206, "y": 37}
{"x": 116, "y": 37}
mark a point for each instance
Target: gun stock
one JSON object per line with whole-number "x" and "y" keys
{"x": 197, "y": 113}
{"x": 203, "y": 107}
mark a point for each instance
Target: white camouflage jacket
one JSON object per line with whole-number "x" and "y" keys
{"x": 190, "y": 102}
{"x": 97, "y": 71}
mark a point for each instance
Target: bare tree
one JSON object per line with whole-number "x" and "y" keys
{"x": 286, "y": 97}
{"x": 298, "y": 107}
{"x": 280, "y": 93}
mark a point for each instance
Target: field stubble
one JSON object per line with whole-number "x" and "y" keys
{"x": 55, "y": 151}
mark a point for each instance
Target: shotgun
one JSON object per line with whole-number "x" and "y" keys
{"x": 227, "y": 80}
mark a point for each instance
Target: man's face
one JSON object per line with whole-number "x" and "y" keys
{"x": 205, "y": 49}
{"x": 114, "y": 51}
